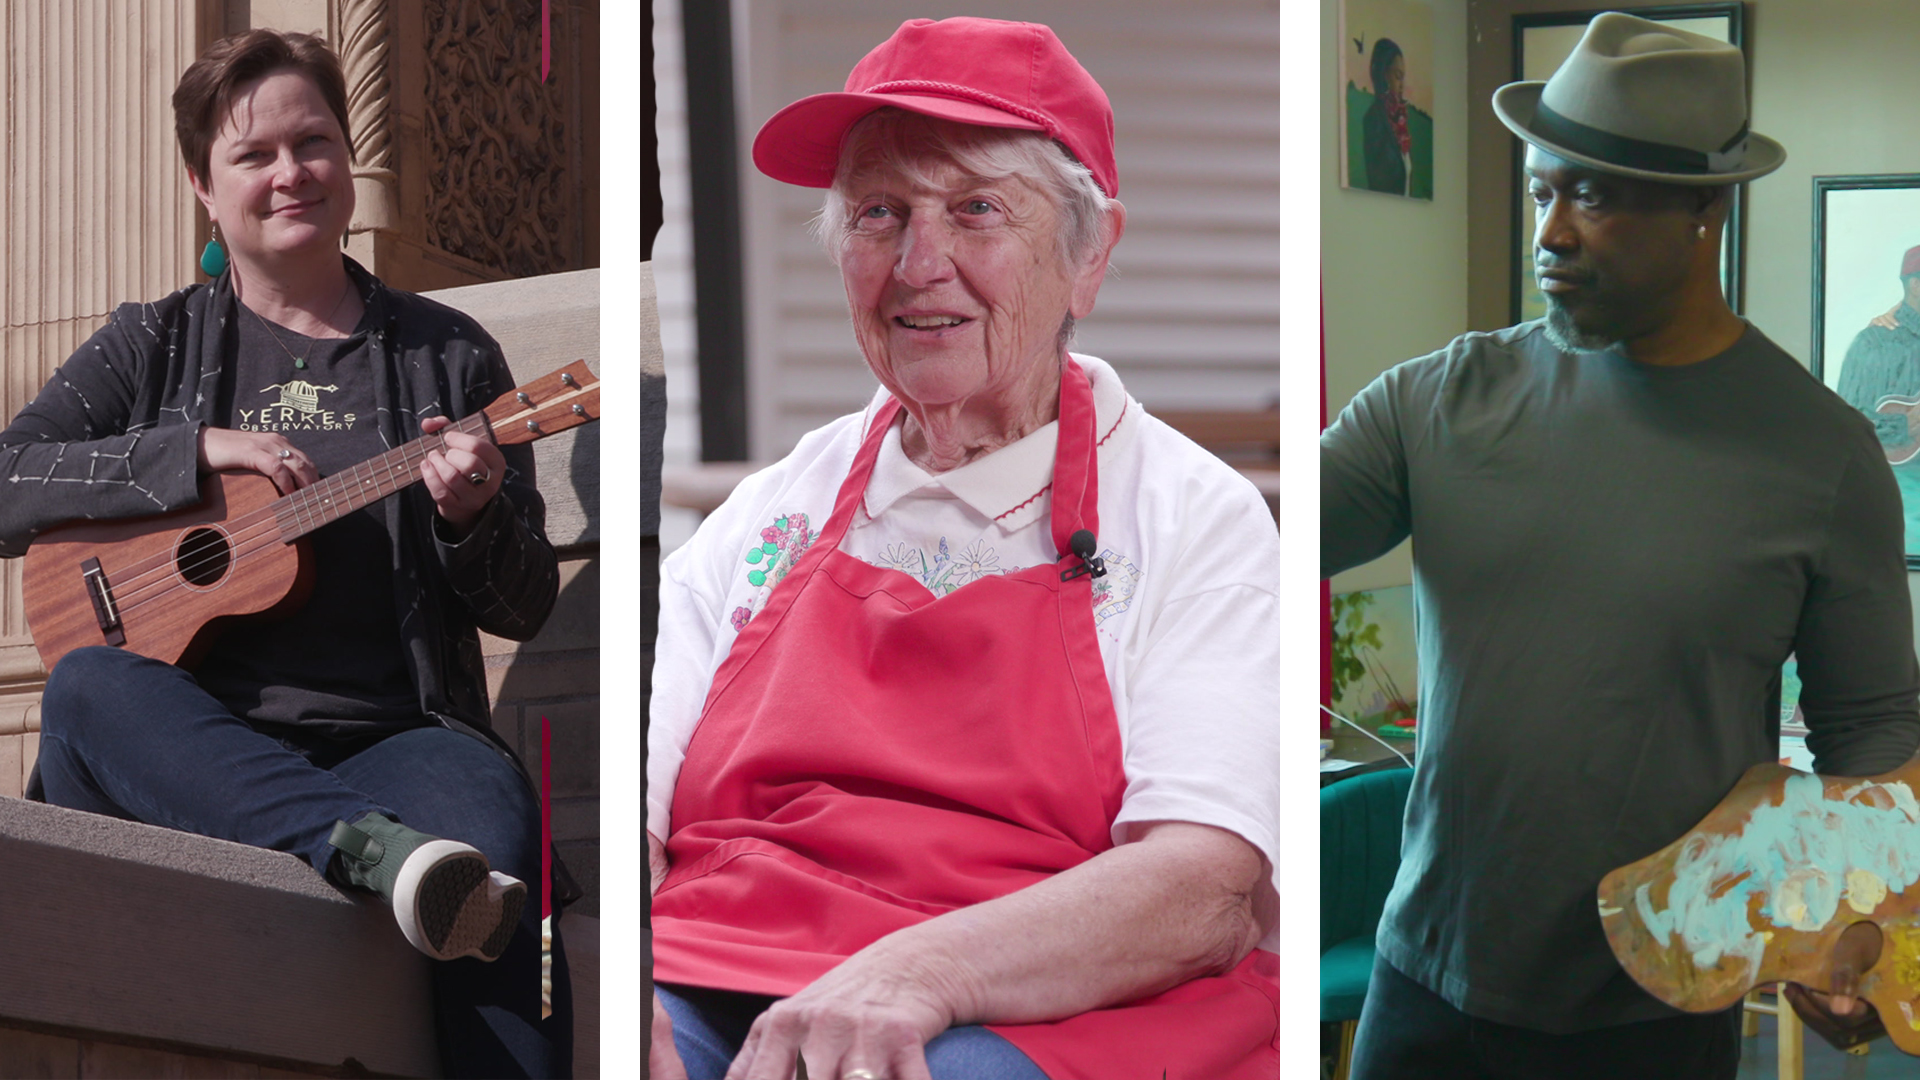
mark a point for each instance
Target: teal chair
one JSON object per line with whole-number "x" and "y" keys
{"x": 1360, "y": 820}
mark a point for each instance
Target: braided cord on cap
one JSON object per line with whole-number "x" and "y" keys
{"x": 955, "y": 90}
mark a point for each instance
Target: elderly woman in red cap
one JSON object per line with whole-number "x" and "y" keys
{"x": 963, "y": 745}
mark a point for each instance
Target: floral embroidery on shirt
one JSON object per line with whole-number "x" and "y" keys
{"x": 976, "y": 562}
{"x": 900, "y": 557}
{"x": 1113, "y": 592}
{"x": 942, "y": 572}
{"x": 768, "y": 562}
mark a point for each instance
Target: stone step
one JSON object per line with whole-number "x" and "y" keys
{"x": 125, "y": 933}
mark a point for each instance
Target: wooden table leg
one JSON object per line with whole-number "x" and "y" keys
{"x": 1792, "y": 1041}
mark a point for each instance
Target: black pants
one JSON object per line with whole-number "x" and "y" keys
{"x": 1408, "y": 1032}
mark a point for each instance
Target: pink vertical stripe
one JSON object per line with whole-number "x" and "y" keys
{"x": 546, "y": 38}
{"x": 546, "y": 819}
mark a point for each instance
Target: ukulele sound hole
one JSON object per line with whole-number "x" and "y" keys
{"x": 203, "y": 557}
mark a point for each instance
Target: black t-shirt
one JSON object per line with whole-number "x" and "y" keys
{"x": 336, "y": 669}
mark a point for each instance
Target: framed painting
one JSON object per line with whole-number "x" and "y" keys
{"x": 1541, "y": 42}
{"x": 1386, "y": 97}
{"x": 1866, "y": 314}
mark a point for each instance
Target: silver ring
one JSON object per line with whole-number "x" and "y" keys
{"x": 479, "y": 479}
{"x": 285, "y": 454}
{"x": 859, "y": 1074}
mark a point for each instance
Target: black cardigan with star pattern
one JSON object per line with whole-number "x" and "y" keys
{"x": 115, "y": 433}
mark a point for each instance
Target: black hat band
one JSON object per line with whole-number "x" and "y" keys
{"x": 1632, "y": 153}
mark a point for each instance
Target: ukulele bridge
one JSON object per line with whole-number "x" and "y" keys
{"x": 104, "y": 611}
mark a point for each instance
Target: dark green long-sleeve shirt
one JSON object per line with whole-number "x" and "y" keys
{"x": 1611, "y": 563}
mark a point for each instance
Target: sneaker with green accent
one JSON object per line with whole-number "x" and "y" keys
{"x": 448, "y": 901}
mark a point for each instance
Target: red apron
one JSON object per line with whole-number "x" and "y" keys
{"x": 870, "y": 757}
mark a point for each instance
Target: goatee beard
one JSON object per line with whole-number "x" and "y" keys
{"x": 1568, "y": 335}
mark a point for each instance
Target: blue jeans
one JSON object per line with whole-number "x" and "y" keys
{"x": 709, "y": 1027}
{"x": 134, "y": 738}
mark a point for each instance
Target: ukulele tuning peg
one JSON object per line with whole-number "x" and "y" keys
{"x": 533, "y": 426}
{"x": 579, "y": 409}
{"x": 567, "y": 380}
{"x": 523, "y": 398}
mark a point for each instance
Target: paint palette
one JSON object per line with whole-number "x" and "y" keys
{"x": 1761, "y": 890}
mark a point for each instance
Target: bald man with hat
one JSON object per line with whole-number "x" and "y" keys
{"x": 1626, "y": 517}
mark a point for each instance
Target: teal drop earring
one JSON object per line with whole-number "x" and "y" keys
{"x": 213, "y": 258}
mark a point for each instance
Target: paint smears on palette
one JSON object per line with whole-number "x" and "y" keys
{"x": 1762, "y": 888}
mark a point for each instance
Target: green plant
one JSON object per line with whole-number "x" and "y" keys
{"x": 1351, "y": 632}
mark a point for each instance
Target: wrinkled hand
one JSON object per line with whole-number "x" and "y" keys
{"x": 864, "y": 1014}
{"x": 449, "y": 475}
{"x": 1840, "y": 1015}
{"x": 663, "y": 1058}
{"x": 1887, "y": 320}
{"x": 226, "y": 450}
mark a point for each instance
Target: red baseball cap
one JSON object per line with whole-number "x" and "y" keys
{"x": 1910, "y": 265}
{"x": 974, "y": 71}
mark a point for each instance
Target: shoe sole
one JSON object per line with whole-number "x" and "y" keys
{"x": 450, "y": 905}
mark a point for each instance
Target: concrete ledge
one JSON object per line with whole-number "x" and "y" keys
{"x": 146, "y": 935}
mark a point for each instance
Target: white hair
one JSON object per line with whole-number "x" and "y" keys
{"x": 906, "y": 142}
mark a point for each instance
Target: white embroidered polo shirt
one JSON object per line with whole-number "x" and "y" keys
{"x": 1186, "y": 615}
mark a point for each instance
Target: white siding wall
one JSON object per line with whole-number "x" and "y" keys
{"x": 1191, "y": 319}
{"x": 673, "y": 264}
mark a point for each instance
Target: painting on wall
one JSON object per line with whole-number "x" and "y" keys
{"x": 1386, "y": 96}
{"x": 1541, "y": 43}
{"x": 1866, "y": 314}
{"x": 1375, "y": 669}
{"x": 1793, "y": 727}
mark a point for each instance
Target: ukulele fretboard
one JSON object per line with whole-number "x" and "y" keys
{"x": 336, "y": 496}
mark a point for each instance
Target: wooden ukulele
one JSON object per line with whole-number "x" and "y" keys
{"x": 165, "y": 586}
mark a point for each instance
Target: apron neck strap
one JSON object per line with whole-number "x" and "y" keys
{"x": 1076, "y": 482}
{"x": 1076, "y": 485}
{"x": 854, "y": 487}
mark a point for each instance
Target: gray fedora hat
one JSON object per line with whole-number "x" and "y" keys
{"x": 1646, "y": 100}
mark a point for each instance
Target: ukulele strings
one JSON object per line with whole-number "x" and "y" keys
{"x": 246, "y": 533}
{"x": 258, "y": 530}
{"x": 253, "y": 533}
{"x": 242, "y": 532}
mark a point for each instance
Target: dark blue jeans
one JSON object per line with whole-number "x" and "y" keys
{"x": 134, "y": 738}
{"x": 1408, "y": 1032}
{"x": 709, "y": 1027}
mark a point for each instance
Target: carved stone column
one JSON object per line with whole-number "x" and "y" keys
{"x": 364, "y": 39}
{"x": 96, "y": 211}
